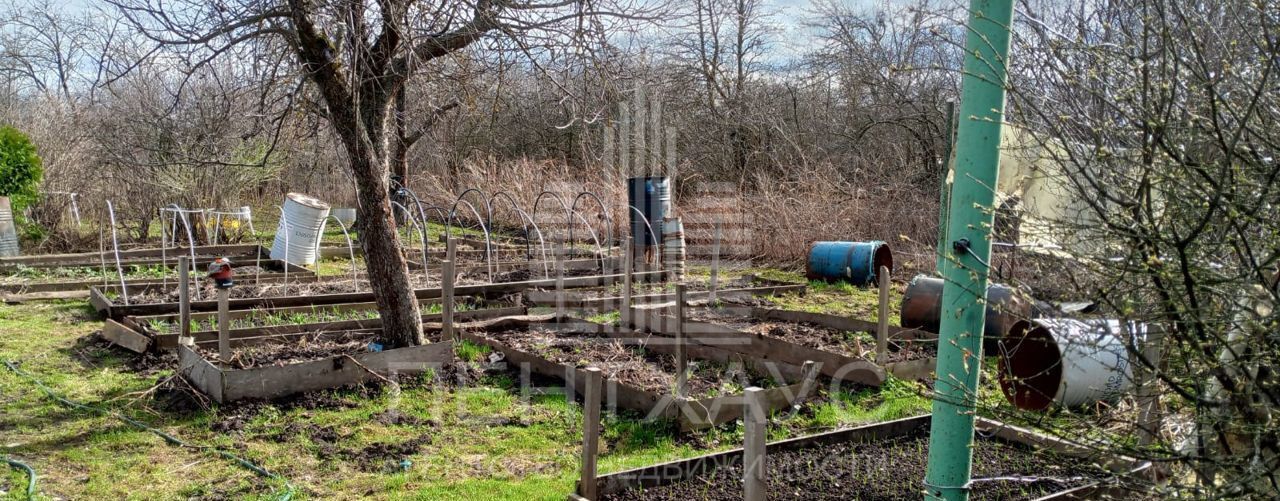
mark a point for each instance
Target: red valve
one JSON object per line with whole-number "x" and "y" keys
{"x": 221, "y": 273}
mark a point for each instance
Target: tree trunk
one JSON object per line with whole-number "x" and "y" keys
{"x": 386, "y": 265}
{"x": 400, "y": 144}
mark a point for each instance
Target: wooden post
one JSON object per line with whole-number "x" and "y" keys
{"x": 184, "y": 297}
{"x": 882, "y": 332}
{"x": 1148, "y": 394}
{"x": 715, "y": 265}
{"x": 450, "y": 248}
{"x": 626, "y": 316}
{"x": 560, "y": 309}
{"x": 224, "y": 327}
{"x": 590, "y": 433}
{"x": 681, "y": 362}
{"x": 753, "y": 445}
{"x": 446, "y": 300}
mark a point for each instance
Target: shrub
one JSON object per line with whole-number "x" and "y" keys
{"x": 20, "y": 174}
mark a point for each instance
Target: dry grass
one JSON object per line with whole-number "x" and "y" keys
{"x": 776, "y": 219}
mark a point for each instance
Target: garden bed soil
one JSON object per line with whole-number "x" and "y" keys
{"x": 820, "y": 337}
{"x": 274, "y": 367}
{"x": 157, "y": 295}
{"x": 294, "y": 350}
{"x": 638, "y": 369}
{"x": 140, "y": 256}
{"x": 522, "y": 275}
{"x": 625, "y": 362}
{"x": 99, "y": 296}
{"x": 886, "y": 469}
{"x": 743, "y": 291}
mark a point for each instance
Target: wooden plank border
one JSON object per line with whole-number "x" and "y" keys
{"x": 269, "y": 382}
{"x": 690, "y": 414}
{"x": 547, "y": 298}
{"x": 109, "y": 309}
{"x": 759, "y": 346}
{"x": 95, "y": 258}
{"x": 676, "y": 471}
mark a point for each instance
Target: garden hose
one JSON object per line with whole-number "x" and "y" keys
{"x": 170, "y": 439}
{"x": 31, "y": 475}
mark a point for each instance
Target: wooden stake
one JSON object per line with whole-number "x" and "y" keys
{"x": 560, "y": 309}
{"x": 882, "y": 333}
{"x": 753, "y": 445}
{"x": 224, "y": 327}
{"x": 446, "y": 300}
{"x": 715, "y": 265}
{"x": 626, "y": 316}
{"x": 184, "y": 297}
{"x": 590, "y": 433}
{"x": 1148, "y": 394}
{"x": 681, "y": 362}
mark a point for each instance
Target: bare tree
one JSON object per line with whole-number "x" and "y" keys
{"x": 1158, "y": 124}
{"x": 359, "y": 55}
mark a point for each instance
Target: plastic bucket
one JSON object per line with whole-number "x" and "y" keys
{"x": 302, "y": 219}
{"x": 1066, "y": 362}
{"x": 346, "y": 215}
{"x": 853, "y": 262}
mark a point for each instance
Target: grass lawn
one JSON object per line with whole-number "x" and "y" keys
{"x": 430, "y": 439}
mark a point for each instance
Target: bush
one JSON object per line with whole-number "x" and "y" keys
{"x": 20, "y": 174}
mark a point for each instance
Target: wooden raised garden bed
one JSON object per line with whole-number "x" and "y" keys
{"x": 609, "y": 299}
{"x": 639, "y": 374}
{"x": 112, "y": 309}
{"x": 791, "y": 336}
{"x": 137, "y": 334}
{"x": 249, "y": 271}
{"x": 280, "y": 367}
{"x": 150, "y": 256}
{"x": 884, "y": 461}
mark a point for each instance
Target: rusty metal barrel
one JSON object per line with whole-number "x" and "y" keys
{"x": 853, "y": 262}
{"x": 1067, "y": 362}
{"x": 922, "y": 308}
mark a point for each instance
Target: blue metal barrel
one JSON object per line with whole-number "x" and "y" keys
{"x": 651, "y": 196}
{"x": 853, "y": 262}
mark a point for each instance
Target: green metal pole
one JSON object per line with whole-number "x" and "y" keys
{"x": 944, "y": 186}
{"x": 971, "y": 215}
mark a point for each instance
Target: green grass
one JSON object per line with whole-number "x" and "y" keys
{"x": 25, "y": 273}
{"x": 484, "y": 441}
{"x": 835, "y": 298}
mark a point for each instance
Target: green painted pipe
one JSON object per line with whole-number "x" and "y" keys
{"x": 970, "y": 219}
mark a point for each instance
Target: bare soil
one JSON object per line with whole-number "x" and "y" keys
{"x": 810, "y": 335}
{"x": 629, "y": 364}
{"x": 284, "y": 352}
{"x": 524, "y": 275}
{"x": 244, "y": 290}
{"x": 891, "y": 469}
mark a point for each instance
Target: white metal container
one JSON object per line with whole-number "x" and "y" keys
{"x": 1067, "y": 362}
{"x": 346, "y": 215}
{"x": 302, "y": 219}
{"x": 673, "y": 246}
{"x": 8, "y": 230}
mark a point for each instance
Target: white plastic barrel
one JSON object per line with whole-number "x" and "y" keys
{"x": 302, "y": 219}
{"x": 8, "y": 230}
{"x": 346, "y": 214}
{"x": 1067, "y": 362}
